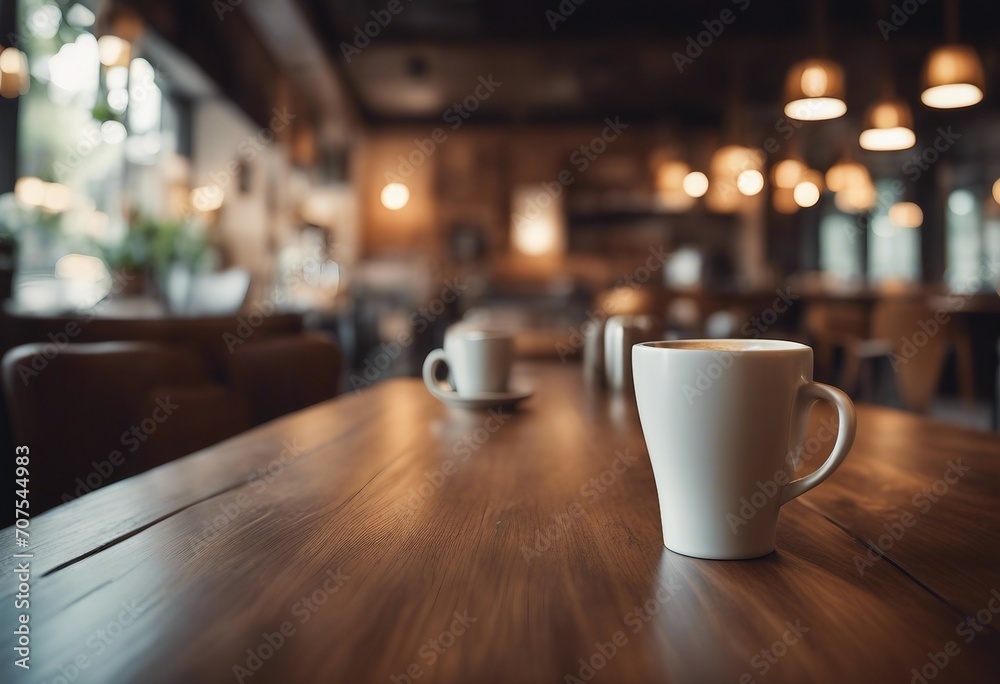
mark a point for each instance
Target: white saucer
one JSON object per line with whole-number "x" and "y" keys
{"x": 485, "y": 400}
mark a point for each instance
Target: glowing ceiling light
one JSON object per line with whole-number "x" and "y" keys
{"x": 814, "y": 91}
{"x": 750, "y": 182}
{"x": 953, "y": 77}
{"x": 696, "y": 184}
{"x": 806, "y": 194}
{"x": 906, "y": 215}
{"x": 395, "y": 196}
{"x": 888, "y": 126}
{"x": 207, "y": 198}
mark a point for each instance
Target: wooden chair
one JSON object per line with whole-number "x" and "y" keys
{"x": 915, "y": 338}
{"x": 831, "y": 325}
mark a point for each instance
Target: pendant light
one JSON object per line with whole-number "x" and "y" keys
{"x": 888, "y": 126}
{"x": 814, "y": 91}
{"x": 852, "y": 185}
{"x": 808, "y": 190}
{"x": 736, "y": 173}
{"x": 888, "y": 123}
{"x": 695, "y": 184}
{"x": 814, "y": 88}
{"x": 953, "y": 75}
{"x": 14, "y": 77}
{"x": 669, "y": 172}
{"x": 906, "y": 215}
{"x": 736, "y": 170}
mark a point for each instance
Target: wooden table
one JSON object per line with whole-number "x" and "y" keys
{"x": 382, "y": 537}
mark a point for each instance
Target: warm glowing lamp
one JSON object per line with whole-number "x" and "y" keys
{"x": 814, "y": 91}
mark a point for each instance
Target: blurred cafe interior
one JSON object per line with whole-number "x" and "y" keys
{"x": 264, "y": 205}
{"x": 234, "y": 233}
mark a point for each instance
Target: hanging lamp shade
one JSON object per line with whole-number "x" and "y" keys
{"x": 906, "y": 215}
{"x": 888, "y": 125}
{"x": 852, "y": 186}
{"x": 953, "y": 77}
{"x": 814, "y": 90}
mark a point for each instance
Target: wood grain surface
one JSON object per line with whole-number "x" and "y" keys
{"x": 383, "y": 537}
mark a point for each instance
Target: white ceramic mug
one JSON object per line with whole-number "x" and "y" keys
{"x": 723, "y": 422}
{"x": 478, "y": 361}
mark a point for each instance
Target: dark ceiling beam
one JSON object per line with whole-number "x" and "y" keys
{"x": 224, "y": 45}
{"x": 318, "y": 16}
{"x": 284, "y": 28}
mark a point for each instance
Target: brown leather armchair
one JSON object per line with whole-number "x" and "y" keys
{"x": 93, "y": 414}
{"x": 279, "y": 375}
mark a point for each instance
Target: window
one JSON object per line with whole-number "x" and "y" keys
{"x": 972, "y": 247}
{"x": 893, "y": 247}
{"x": 840, "y": 238}
{"x": 84, "y": 131}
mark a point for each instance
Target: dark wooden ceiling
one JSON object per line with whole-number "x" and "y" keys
{"x": 615, "y": 56}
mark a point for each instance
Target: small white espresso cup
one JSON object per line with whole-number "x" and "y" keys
{"x": 724, "y": 422}
{"x": 478, "y": 360}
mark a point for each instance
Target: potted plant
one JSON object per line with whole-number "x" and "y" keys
{"x": 143, "y": 258}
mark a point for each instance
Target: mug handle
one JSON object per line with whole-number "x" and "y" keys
{"x": 848, "y": 424}
{"x": 431, "y": 363}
